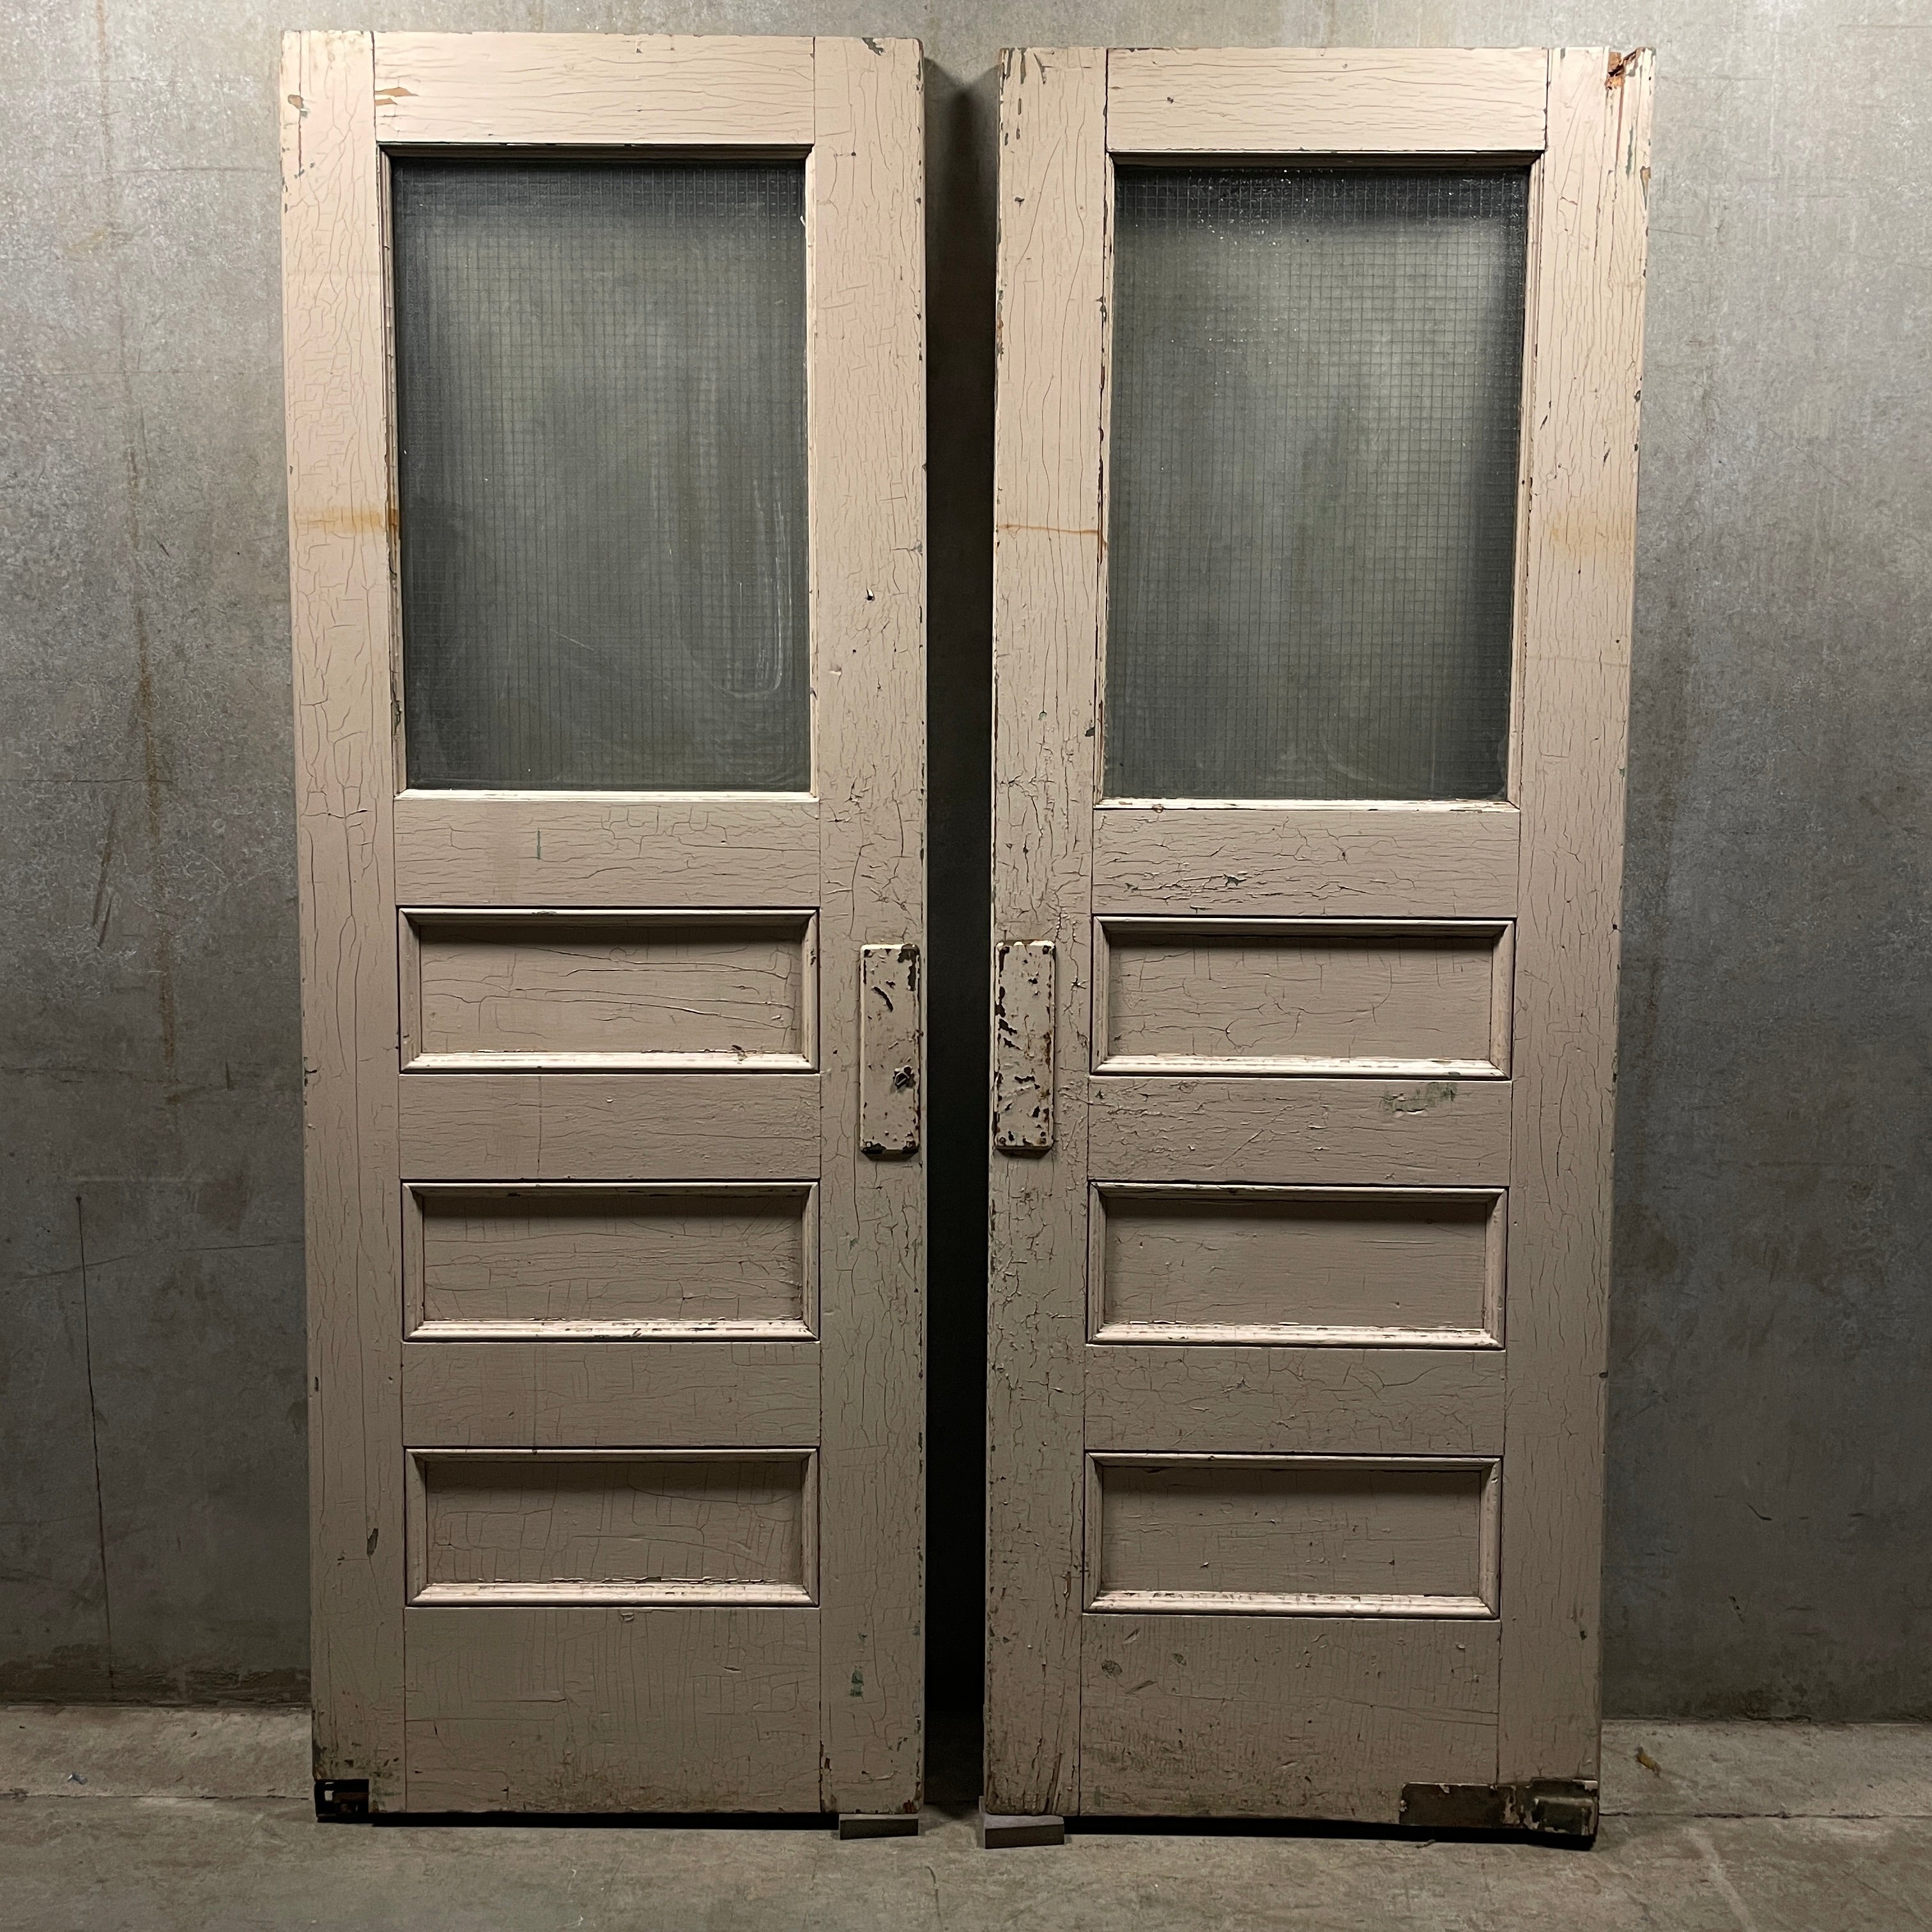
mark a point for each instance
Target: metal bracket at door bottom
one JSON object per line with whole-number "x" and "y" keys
{"x": 1559, "y": 1808}
{"x": 1023, "y": 1047}
{"x": 342, "y": 1800}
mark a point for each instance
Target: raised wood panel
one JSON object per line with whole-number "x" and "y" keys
{"x": 1306, "y": 1265}
{"x": 1325, "y": 100}
{"x": 1334, "y": 1717}
{"x": 1318, "y": 996}
{"x": 1055, "y": 198}
{"x": 483, "y": 1263}
{"x": 566, "y": 1394}
{"x": 619, "y": 1525}
{"x": 335, "y": 358}
{"x": 864, "y": 218}
{"x": 543, "y": 1709}
{"x": 1354, "y": 861}
{"x": 725, "y": 991}
{"x": 476, "y": 848}
{"x": 1310, "y": 1133}
{"x": 1337, "y": 1401}
{"x": 1249, "y": 1535}
{"x": 1580, "y": 555}
{"x": 582, "y": 90}
{"x": 609, "y": 1126}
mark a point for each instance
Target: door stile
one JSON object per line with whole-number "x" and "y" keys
{"x": 1055, "y": 198}
{"x": 1588, "y": 291}
{"x": 865, "y": 442}
{"x": 336, "y": 352}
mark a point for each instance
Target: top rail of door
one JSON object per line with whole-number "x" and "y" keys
{"x": 593, "y": 90}
{"x": 1327, "y": 100}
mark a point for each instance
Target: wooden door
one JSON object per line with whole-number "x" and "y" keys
{"x": 605, "y": 415}
{"x": 1315, "y": 484}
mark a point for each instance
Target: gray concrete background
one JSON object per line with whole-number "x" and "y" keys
{"x": 1770, "y": 1545}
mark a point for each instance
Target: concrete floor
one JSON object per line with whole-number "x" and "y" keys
{"x": 153, "y": 1820}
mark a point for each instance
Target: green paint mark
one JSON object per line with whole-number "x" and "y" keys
{"x": 1437, "y": 1093}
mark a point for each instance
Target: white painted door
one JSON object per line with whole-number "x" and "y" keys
{"x": 605, "y": 408}
{"x": 1315, "y": 486}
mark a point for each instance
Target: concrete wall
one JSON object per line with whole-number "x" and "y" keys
{"x": 1770, "y": 1500}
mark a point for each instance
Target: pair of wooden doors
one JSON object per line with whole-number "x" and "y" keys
{"x": 1315, "y": 484}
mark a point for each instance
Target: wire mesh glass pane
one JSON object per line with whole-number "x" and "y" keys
{"x": 600, "y": 382}
{"x": 1317, "y": 377}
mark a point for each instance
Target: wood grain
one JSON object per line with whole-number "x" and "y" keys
{"x": 1589, "y": 268}
{"x": 1300, "y": 1133}
{"x": 1353, "y": 861}
{"x": 1375, "y": 1400}
{"x": 593, "y": 90}
{"x": 1335, "y": 1714}
{"x": 335, "y": 357}
{"x": 1325, "y": 100}
{"x": 619, "y": 1525}
{"x": 570, "y": 1393}
{"x": 864, "y": 196}
{"x": 542, "y": 1708}
{"x": 1252, "y": 1535}
{"x": 489, "y": 990}
{"x": 1054, "y": 202}
{"x": 1413, "y": 1000}
{"x": 1306, "y": 1265}
{"x": 535, "y": 849}
{"x": 610, "y": 1126}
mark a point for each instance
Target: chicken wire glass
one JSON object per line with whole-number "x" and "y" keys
{"x": 1316, "y": 382}
{"x": 601, "y": 410}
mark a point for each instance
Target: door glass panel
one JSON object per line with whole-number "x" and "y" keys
{"x": 1316, "y": 376}
{"x": 601, "y": 406}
